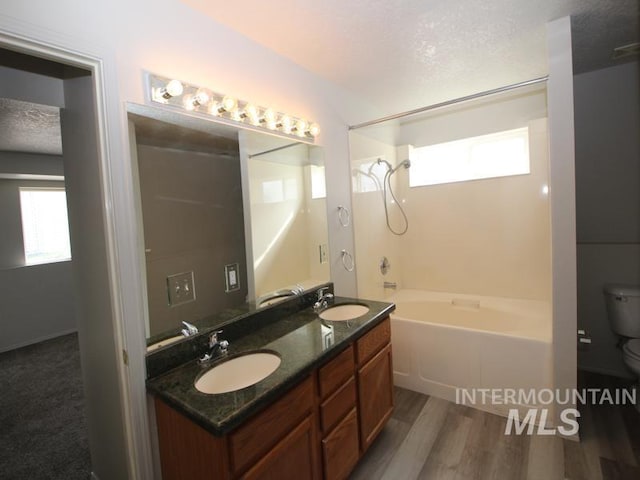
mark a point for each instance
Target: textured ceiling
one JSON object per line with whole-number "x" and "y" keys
{"x": 402, "y": 54}
{"x": 29, "y": 128}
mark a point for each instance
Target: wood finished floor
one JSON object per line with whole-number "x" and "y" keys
{"x": 431, "y": 438}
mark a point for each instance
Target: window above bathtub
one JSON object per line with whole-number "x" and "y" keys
{"x": 499, "y": 154}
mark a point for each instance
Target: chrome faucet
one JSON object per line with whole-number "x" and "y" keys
{"x": 323, "y": 298}
{"x": 217, "y": 347}
{"x": 189, "y": 330}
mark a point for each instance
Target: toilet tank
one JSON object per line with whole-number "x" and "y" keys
{"x": 623, "y": 309}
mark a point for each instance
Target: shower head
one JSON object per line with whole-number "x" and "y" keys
{"x": 405, "y": 163}
{"x": 382, "y": 160}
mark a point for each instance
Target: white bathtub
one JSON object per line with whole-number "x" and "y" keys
{"x": 445, "y": 341}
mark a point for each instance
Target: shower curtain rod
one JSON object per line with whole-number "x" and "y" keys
{"x": 276, "y": 149}
{"x": 451, "y": 102}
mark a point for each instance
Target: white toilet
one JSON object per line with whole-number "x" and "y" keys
{"x": 623, "y": 310}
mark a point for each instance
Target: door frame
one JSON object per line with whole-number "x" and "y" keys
{"x": 129, "y": 337}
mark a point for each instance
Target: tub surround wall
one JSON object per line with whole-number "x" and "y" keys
{"x": 280, "y": 228}
{"x": 372, "y": 239}
{"x": 608, "y": 202}
{"x": 485, "y": 237}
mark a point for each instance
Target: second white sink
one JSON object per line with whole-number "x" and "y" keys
{"x": 346, "y": 311}
{"x": 237, "y": 373}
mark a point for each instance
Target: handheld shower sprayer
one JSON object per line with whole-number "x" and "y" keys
{"x": 386, "y": 184}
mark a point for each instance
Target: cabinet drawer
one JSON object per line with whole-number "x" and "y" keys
{"x": 340, "y": 449}
{"x": 372, "y": 342}
{"x": 336, "y": 372}
{"x": 256, "y": 436}
{"x": 337, "y": 405}
{"x": 294, "y": 457}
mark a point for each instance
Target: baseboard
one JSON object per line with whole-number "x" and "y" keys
{"x": 37, "y": 340}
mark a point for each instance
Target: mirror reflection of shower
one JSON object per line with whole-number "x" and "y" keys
{"x": 386, "y": 186}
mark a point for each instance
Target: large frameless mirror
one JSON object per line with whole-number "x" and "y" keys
{"x": 230, "y": 218}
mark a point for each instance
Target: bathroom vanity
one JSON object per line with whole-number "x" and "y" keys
{"x": 312, "y": 418}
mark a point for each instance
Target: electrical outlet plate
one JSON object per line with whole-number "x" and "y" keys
{"x": 323, "y": 253}
{"x": 232, "y": 277}
{"x": 181, "y": 288}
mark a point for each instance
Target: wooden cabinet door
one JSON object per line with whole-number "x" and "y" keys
{"x": 375, "y": 399}
{"x": 294, "y": 457}
{"x": 340, "y": 449}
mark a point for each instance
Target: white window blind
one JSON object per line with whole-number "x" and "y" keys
{"x": 45, "y": 226}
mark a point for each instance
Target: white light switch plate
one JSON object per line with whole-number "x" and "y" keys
{"x": 232, "y": 277}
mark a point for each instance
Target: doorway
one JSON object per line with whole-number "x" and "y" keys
{"x": 91, "y": 230}
{"x": 43, "y": 404}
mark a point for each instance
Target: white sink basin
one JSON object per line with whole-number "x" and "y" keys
{"x": 238, "y": 373}
{"x": 347, "y": 311}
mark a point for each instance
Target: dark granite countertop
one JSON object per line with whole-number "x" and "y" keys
{"x": 302, "y": 340}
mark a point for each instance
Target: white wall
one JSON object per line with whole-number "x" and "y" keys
{"x": 562, "y": 198}
{"x": 38, "y": 300}
{"x": 608, "y": 202}
{"x": 168, "y": 38}
{"x": 31, "y": 87}
{"x": 37, "y": 304}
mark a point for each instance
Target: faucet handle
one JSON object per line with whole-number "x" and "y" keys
{"x": 320, "y": 292}
{"x": 189, "y": 329}
{"x": 213, "y": 338}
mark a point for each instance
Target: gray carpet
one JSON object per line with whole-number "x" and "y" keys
{"x": 42, "y": 413}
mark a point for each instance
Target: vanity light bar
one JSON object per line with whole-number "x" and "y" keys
{"x": 172, "y": 92}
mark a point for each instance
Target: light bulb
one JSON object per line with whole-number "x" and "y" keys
{"x": 228, "y": 103}
{"x": 269, "y": 118}
{"x": 300, "y": 128}
{"x": 314, "y": 130}
{"x": 173, "y": 89}
{"x": 214, "y": 109}
{"x": 200, "y": 98}
{"x": 189, "y": 103}
{"x": 237, "y": 115}
{"x": 253, "y": 113}
{"x": 285, "y": 123}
